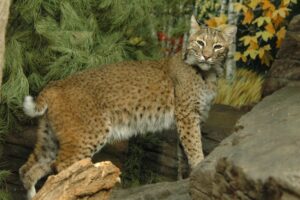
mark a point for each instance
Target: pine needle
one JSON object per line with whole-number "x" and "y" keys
{"x": 49, "y": 40}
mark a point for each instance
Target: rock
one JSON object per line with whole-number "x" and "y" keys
{"x": 82, "y": 180}
{"x": 286, "y": 68}
{"x": 261, "y": 159}
{"x": 178, "y": 190}
{"x": 220, "y": 124}
{"x": 295, "y": 24}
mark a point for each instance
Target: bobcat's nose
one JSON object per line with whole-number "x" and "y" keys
{"x": 206, "y": 57}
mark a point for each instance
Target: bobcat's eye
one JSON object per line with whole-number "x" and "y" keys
{"x": 201, "y": 43}
{"x": 218, "y": 46}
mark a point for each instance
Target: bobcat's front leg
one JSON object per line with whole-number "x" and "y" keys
{"x": 189, "y": 131}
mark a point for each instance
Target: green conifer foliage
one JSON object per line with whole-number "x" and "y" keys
{"x": 4, "y": 195}
{"x": 51, "y": 39}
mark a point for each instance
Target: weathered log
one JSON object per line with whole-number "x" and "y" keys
{"x": 82, "y": 180}
{"x": 261, "y": 159}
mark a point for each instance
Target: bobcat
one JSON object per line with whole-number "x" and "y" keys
{"x": 80, "y": 114}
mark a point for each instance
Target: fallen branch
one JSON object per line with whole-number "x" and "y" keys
{"x": 82, "y": 180}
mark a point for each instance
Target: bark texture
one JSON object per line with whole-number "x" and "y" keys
{"x": 4, "y": 13}
{"x": 82, "y": 180}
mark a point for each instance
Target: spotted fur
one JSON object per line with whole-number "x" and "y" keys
{"x": 80, "y": 114}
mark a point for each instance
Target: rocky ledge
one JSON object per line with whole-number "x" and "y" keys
{"x": 261, "y": 159}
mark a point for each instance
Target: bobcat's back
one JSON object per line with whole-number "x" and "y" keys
{"x": 133, "y": 96}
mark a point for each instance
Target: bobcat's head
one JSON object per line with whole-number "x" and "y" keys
{"x": 208, "y": 47}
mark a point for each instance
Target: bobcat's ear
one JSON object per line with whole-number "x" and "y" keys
{"x": 229, "y": 32}
{"x": 194, "y": 26}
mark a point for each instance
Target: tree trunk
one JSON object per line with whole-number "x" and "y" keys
{"x": 230, "y": 62}
{"x": 4, "y": 12}
{"x": 223, "y": 7}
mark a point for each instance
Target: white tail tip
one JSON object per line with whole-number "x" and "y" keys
{"x": 31, "y": 193}
{"x": 29, "y": 107}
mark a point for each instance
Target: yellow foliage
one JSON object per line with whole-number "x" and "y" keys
{"x": 240, "y": 7}
{"x": 254, "y": 3}
{"x": 268, "y": 5}
{"x": 216, "y": 21}
{"x": 245, "y": 89}
{"x": 280, "y": 36}
{"x": 269, "y": 24}
{"x": 286, "y": 2}
{"x": 282, "y": 12}
{"x": 265, "y": 35}
{"x": 270, "y": 28}
{"x": 247, "y": 39}
{"x": 261, "y": 20}
{"x": 267, "y": 58}
{"x": 268, "y": 13}
{"x": 251, "y": 52}
{"x": 262, "y": 51}
{"x": 248, "y": 17}
{"x": 265, "y": 25}
{"x": 238, "y": 56}
{"x": 253, "y": 45}
{"x": 277, "y": 20}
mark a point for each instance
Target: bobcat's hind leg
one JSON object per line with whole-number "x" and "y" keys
{"x": 39, "y": 162}
{"x": 82, "y": 144}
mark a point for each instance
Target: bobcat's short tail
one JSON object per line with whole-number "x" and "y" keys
{"x": 33, "y": 109}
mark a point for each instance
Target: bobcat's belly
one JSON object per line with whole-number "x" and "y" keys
{"x": 121, "y": 131}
